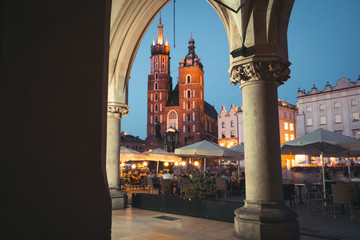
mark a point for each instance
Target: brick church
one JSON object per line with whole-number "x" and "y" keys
{"x": 177, "y": 116}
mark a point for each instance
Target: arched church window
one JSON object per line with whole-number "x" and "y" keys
{"x": 156, "y": 119}
{"x": 172, "y": 120}
{"x": 156, "y": 108}
{"x": 156, "y": 96}
{"x": 157, "y": 64}
{"x": 156, "y": 86}
{"x": 188, "y": 117}
{"x": 189, "y": 93}
{"x": 188, "y": 78}
{"x": 189, "y": 105}
{"x": 156, "y": 76}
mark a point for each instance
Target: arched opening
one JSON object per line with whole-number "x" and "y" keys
{"x": 188, "y": 78}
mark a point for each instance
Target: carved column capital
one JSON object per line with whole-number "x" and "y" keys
{"x": 117, "y": 110}
{"x": 260, "y": 71}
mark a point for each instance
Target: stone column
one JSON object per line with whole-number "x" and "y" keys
{"x": 115, "y": 112}
{"x": 264, "y": 215}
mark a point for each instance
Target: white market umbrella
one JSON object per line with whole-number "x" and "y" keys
{"x": 319, "y": 142}
{"x": 127, "y": 154}
{"x": 160, "y": 155}
{"x": 206, "y": 149}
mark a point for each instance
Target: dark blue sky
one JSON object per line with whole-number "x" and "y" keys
{"x": 323, "y": 41}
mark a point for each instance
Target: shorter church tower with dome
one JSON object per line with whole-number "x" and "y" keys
{"x": 177, "y": 116}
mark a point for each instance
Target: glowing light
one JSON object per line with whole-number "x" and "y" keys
{"x": 145, "y": 164}
{"x": 176, "y": 164}
{"x": 122, "y": 164}
{"x": 166, "y": 164}
{"x": 196, "y": 163}
{"x": 133, "y": 166}
{"x": 183, "y": 163}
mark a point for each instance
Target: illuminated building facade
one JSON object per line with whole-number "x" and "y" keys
{"x": 183, "y": 109}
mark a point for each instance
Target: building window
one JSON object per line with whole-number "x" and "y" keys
{"x": 353, "y": 102}
{"x": 285, "y": 114}
{"x": 223, "y": 124}
{"x": 356, "y": 133}
{"x": 232, "y": 123}
{"x": 336, "y": 104}
{"x": 156, "y": 96}
{"x": 156, "y": 119}
{"x": 286, "y": 126}
{"x": 172, "y": 120}
{"x": 189, "y": 118}
{"x": 232, "y": 133}
{"x": 188, "y": 93}
{"x": 188, "y": 78}
{"x": 291, "y": 127}
{"x": 323, "y": 120}
{"x": 337, "y": 118}
{"x": 322, "y": 106}
{"x": 292, "y": 137}
{"x": 188, "y": 129}
{"x": 156, "y": 108}
{"x": 286, "y": 137}
{"x": 355, "y": 116}
{"x": 156, "y": 86}
{"x": 308, "y": 108}
{"x": 189, "y": 105}
{"x": 309, "y": 122}
{"x": 223, "y": 135}
{"x": 290, "y": 116}
{"x": 156, "y": 76}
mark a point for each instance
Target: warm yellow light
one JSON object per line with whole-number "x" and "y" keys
{"x": 133, "y": 166}
{"x": 122, "y": 164}
{"x": 145, "y": 164}
{"x": 183, "y": 163}
{"x": 166, "y": 164}
{"x": 196, "y": 163}
{"x": 176, "y": 164}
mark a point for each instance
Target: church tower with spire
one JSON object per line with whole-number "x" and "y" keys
{"x": 159, "y": 87}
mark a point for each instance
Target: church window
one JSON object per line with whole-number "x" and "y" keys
{"x": 189, "y": 93}
{"x": 189, "y": 105}
{"x": 189, "y": 118}
{"x": 156, "y": 119}
{"x": 188, "y": 129}
{"x": 156, "y": 76}
{"x": 156, "y": 96}
{"x": 156, "y": 86}
{"x": 157, "y": 64}
{"x": 156, "y": 108}
{"x": 188, "y": 78}
{"x": 172, "y": 120}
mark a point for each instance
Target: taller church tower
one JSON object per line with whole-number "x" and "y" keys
{"x": 159, "y": 87}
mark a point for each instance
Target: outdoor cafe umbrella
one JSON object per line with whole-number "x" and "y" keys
{"x": 127, "y": 154}
{"x": 207, "y": 149}
{"x": 319, "y": 142}
{"x": 160, "y": 155}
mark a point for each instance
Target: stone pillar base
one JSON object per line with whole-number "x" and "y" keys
{"x": 270, "y": 220}
{"x": 118, "y": 199}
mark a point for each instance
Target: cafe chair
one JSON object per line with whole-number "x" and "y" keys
{"x": 134, "y": 183}
{"x": 220, "y": 185}
{"x": 151, "y": 185}
{"x": 165, "y": 186}
{"x": 314, "y": 196}
{"x": 289, "y": 194}
{"x": 341, "y": 195}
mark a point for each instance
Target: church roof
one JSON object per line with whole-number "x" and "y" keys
{"x": 173, "y": 99}
{"x": 210, "y": 110}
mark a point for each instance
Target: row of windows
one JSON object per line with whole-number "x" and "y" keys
{"x": 288, "y": 126}
{"x": 286, "y": 115}
{"x": 322, "y": 107}
{"x": 287, "y": 137}
{"x": 223, "y": 124}
{"x": 232, "y": 134}
{"x": 323, "y": 121}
